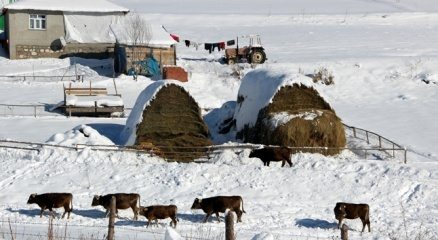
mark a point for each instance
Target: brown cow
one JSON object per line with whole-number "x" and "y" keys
{"x": 352, "y": 211}
{"x": 276, "y": 154}
{"x": 123, "y": 201}
{"x": 53, "y": 200}
{"x": 219, "y": 204}
{"x": 156, "y": 212}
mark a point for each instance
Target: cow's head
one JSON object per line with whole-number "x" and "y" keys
{"x": 340, "y": 211}
{"x": 143, "y": 211}
{"x": 196, "y": 204}
{"x": 253, "y": 153}
{"x": 32, "y": 198}
{"x": 96, "y": 201}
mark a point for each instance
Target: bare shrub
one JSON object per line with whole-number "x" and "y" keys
{"x": 323, "y": 75}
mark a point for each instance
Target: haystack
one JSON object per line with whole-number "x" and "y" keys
{"x": 295, "y": 115}
{"x": 167, "y": 120}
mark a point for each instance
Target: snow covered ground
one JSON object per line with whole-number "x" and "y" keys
{"x": 383, "y": 55}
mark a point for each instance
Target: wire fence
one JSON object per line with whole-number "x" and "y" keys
{"x": 380, "y": 145}
{"x": 42, "y": 78}
{"x": 15, "y": 229}
{"x": 38, "y": 110}
{"x": 205, "y": 154}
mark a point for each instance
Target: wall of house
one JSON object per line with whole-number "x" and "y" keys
{"x": 19, "y": 33}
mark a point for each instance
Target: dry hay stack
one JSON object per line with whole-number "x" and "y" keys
{"x": 298, "y": 117}
{"x": 172, "y": 126}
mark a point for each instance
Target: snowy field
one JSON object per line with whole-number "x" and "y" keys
{"x": 384, "y": 57}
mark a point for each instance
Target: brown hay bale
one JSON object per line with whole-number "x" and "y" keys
{"x": 323, "y": 129}
{"x": 172, "y": 126}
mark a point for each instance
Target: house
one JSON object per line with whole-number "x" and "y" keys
{"x": 61, "y": 28}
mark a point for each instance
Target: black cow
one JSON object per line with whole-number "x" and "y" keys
{"x": 123, "y": 201}
{"x": 53, "y": 200}
{"x": 276, "y": 154}
{"x": 352, "y": 211}
{"x": 219, "y": 204}
{"x": 156, "y": 212}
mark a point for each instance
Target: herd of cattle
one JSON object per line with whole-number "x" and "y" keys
{"x": 216, "y": 205}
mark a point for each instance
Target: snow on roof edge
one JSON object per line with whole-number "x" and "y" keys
{"x": 67, "y": 6}
{"x": 258, "y": 88}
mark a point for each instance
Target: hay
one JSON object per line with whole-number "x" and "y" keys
{"x": 322, "y": 129}
{"x": 172, "y": 126}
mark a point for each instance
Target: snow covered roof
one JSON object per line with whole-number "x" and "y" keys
{"x": 258, "y": 88}
{"x": 129, "y": 133}
{"x": 67, "y": 6}
{"x": 159, "y": 37}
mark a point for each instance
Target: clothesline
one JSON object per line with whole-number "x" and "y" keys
{"x": 209, "y": 46}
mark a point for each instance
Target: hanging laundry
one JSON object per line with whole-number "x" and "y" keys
{"x": 221, "y": 45}
{"x": 175, "y": 37}
{"x": 195, "y": 45}
{"x": 231, "y": 42}
{"x": 208, "y": 47}
{"x": 187, "y": 42}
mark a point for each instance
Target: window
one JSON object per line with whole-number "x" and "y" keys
{"x": 37, "y": 21}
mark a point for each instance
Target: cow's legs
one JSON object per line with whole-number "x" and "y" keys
{"x": 217, "y": 216}
{"x": 41, "y": 212}
{"x": 365, "y": 222}
{"x": 107, "y": 213}
{"x": 207, "y": 217}
{"x": 339, "y": 223}
{"x": 135, "y": 210}
{"x": 290, "y": 162}
{"x": 239, "y": 215}
{"x": 174, "y": 222}
{"x": 283, "y": 162}
{"x": 267, "y": 163}
{"x": 147, "y": 224}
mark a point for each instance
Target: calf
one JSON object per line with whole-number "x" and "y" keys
{"x": 123, "y": 201}
{"x": 268, "y": 154}
{"x": 159, "y": 212}
{"x": 219, "y": 204}
{"x": 352, "y": 211}
{"x": 53, "y": 200}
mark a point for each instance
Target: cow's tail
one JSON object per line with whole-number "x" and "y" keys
{"x": 243, "y": 210}
{"x": 71, "y": 204}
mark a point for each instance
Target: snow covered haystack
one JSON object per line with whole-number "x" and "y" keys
{"x": 280, "y": 109}
{"x": 167, "y": 120}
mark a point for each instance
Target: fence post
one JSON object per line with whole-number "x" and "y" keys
{"x": 368, "y": 140}
{"x": 34, "y": 110}
{"x": 365, "y": 153}
{"x": 112, "y": 218}
{"x": 380, "y": 141}
{"x": 344, "y": 232}
{"x": 354, "y": 131}
{"x": 406, "y": 153}
{"x": 229, "y": 226}
{"x": 393, "y": 150}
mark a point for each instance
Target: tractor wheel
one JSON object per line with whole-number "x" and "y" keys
{"x": 231, "y": 61}
{"x": 257, "y": 56}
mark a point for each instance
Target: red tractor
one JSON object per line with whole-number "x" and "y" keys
{"x": 253, "y": 53}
